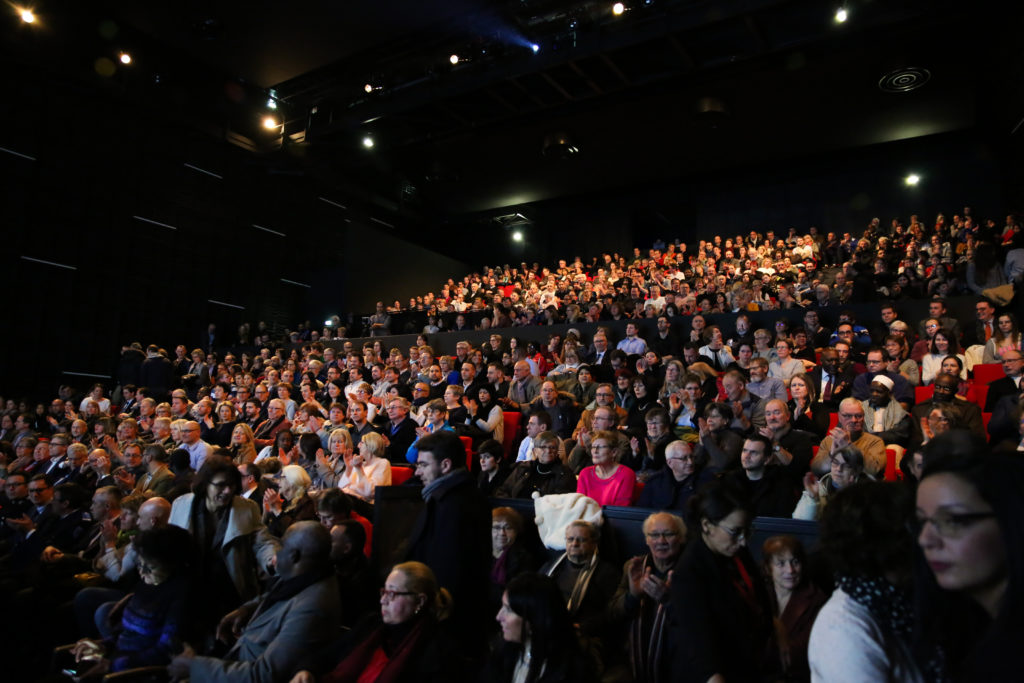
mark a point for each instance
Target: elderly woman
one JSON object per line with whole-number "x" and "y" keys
{"x": 969, "y": 512}
{"x": 606, "y": 481}
{"x": 863, "y": 633}
{"x": 642, "y": 600}
{"x": 540, "y": 644}
{"x": 290, "y": 503}
{"x": 785, "y": 367}
{"x": 509, "y": 556}
{"x": 720, "y": 612}
{"x": 330, "y": 466}
{"x": 795, "y": 603}
{"x": 408, "y": 642}
{"x": 544, "y": 474}
{"x": 846, "y": 467}
{"x": 367, "y": 469}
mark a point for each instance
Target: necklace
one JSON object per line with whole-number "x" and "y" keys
{"x": 541, "y": 471}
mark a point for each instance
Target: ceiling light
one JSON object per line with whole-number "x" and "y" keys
{"x": 270, "y": 123}
{"x": 912, "y": 179}
{"x": 535, "y": 47}
{"x": 27, "y": 16}
{"x": 271, "y": 103}
{"x": 841, "y": 15}
{"x": 368, "y": 88}
{"x": 517, "y": 236}
{"x": 125, "y": 58}
{"x": 454, "y": 59}
{"x": 367, "y": 142}
{"x": 618, "y": 8}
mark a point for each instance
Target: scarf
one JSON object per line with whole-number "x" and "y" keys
{"x": 889, "y": 605}
{"x": 579, "y": 590}
{"x": 386, "y": 649}
{"x": 647, "y": 633}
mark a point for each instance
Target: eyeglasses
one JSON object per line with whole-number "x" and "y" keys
{"x": 743, "y": 532}
{"x": 391, "y": 595}
{"x": 663, "y": 535}
{"x": 38, "y": 489}
{"x": 950, "y": 525}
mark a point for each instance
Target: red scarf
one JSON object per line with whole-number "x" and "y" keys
{"x": 369, "y": 658}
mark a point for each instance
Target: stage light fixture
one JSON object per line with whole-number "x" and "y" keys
{"x": 125, "y": 58}
{"x": 271, "y": 104}
{"x": 270, "y": 123}
{"x": 535, "y": 47}
{"x": 842, "y": 15}
{"x": 912, "y": 179}
{"x": 454, "y": 59}
{"x": 28, "y": 16}
{"x": 368, "y": 88}
{"x": 618, "y": 8}
{"x": 368, "y": 142}
{"x": 517, "y": 236}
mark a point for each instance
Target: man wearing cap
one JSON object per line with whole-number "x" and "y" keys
{"x": 885, "y": 417}
{"x": 901, "y": 389}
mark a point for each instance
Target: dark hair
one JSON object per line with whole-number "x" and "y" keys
{"x": 308, "y": 446}
{"x": 492, "y": 448}
{"x": 864, "y": 530}
{"x": 213, "y": 466}
{"x": 716, "y": 500}
{"x": 774, "y": 546}
{"x": 180, "y": 461}
{"x": 334, "y": 501}
{"x": 948, "y": 335}
{"x": 355, "y": 532}
{"x": 156, "y": 452}
{"x": 171, "y": 547}
{"x": 539, "y": 602}
{"x": 71, "y": 493}
{"x": 444, "y": 445}
{"x": 720, "y": 407}
{"x": 761, "y": 439}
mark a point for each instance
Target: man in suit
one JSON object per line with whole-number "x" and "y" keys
{"x": 400, "y": 430}
{"x": 985, "y": 327}
{"x": 285, "y": 630}
{"x": 1013, "y": 366}
{"x": 276, "y": 421}
{"x": 158, "y": 479}
{"x": 600, "y": 357}
{"x": 253, "y": 486}
{"x": 832, "y": 383}
{"x": 937, "y": 310}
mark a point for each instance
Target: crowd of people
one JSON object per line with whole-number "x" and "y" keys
{"x": 212, "y": 515}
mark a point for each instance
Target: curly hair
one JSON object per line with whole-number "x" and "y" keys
{"x": 865, "y": 530}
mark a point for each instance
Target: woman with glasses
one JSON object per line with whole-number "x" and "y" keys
{"x": 408, "y": 642}
{"x": 969, "y": 513}
{"x": 544, "y": 474}
{"x": 720, "y": 624}
{"x": 606, "y": 481}
{"x": 846, "y": 467}
{"x": 863, "y": 633}
{"x": 509, "y": 554}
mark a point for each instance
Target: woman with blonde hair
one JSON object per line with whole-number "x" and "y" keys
{"x": 290, "y": 503}
{"x": 243, "y": 444}
{"x": 367, "y": 469}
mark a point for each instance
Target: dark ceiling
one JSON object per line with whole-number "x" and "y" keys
{"x": 669, "y": 90}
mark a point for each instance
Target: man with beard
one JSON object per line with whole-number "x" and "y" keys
{"x": 884, "y": 416}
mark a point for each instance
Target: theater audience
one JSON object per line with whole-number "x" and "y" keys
{"x": 795, "y": 602}
{"x": 606, "y": 481}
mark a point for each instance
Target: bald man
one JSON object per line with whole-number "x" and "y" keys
{"x": 523, "y": 388}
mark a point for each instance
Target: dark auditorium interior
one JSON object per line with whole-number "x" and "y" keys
{"x": 263, "y": 182}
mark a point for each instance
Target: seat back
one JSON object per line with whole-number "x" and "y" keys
{"x": 985, "y": 373}
{"x": 833, "y": 420}
{"x": 512, "y": 420}
{"x": 468, "y": 443}
{"x": 400, "y": 475}
{"x": 922, "y": 394}
{"x": 892, "y": 471}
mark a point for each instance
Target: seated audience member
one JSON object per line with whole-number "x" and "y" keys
{"x": 807, "y": 413}
{"x": 768, "y": 487}
{"x": 761, "y": 384}
{"x": 720, "y": 617}
{"x": 719, "y": 445}
{"x": 1006, "y": 338}
{"x": 484, "y": 416}
{"x": 544, "y": 473}
{"x": 602, "y": 418}
{"x": 686, "y": 406}
{"x": 846, "y": 467}
{"x": 400, "y": 429}
{"x": 672, "y": 487}
{"x": 850, "y": 431}
{"x": 356, "y": 580}
{"x": 898, "y": 361}
{"x": 539, "y": 642}
{"x": 535, "y": 424}
{"x": 436, "y": 420}
{"x": 285, "y": 630}
{"x": 606, "y": 481}
{"x": 747, "y": 408}
{"x": 587, "y": 582}
{"x": 235, "y": 549}
{"x": 560, "y": 406}
{"x": 968, "y": 514}
{"x": 493, "y": 468}
{"x": 290, "y": 502}
{"x": 943, "y": 344}
{"x": 1013, "y": 366}
{"x": 786, "y": 367}
{"x": 334, "y": 507}
{"x": 509, "y": 555}
{"x": 966, "y": 414}
{"x": 832, "y": 382}
{"x": 790, "y": 448}
{"x": 156, "y": 617}
{"x": 648, "y": 456}
{"x": 884, "y": 416}
{"x": 367, "y": 469}
{"x": 863, "y": 632}
{"x": 795, "y": 603}
{"x": 641, "y": 601}
{"x": 901, "y": 389}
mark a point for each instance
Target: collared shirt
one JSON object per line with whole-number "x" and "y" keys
{"x": 198, "y": 452}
